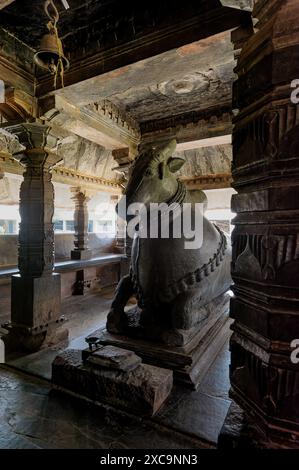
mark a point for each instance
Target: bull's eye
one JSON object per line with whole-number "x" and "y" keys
{"x": 148, "y": 172}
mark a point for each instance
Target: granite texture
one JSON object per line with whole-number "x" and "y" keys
{"x": 141, "y": 391}
{"x": 189, "y": 419}
{"x": 33, "y": 418}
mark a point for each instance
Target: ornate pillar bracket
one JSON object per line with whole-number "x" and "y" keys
{"x": 36, "y": 290}
{"x": 81, "y": 197}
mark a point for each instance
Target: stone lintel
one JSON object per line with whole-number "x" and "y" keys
{"x": 209, "y": 142}
{"x": 190, "y": 128}
{"x": 5, "y": 3}
{"x": 63, "y": 175}
{"x": 102, "y": 123}
{"x": 210, "y": 181}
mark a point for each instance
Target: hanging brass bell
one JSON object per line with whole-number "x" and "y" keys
{"x": 50, "y": 53}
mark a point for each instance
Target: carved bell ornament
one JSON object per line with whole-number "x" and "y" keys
{"x": 50, "y": 53}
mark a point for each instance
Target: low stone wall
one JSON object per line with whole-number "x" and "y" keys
{"x": 64, "y": 243}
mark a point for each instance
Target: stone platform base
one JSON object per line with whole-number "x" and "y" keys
{"x": 22, "y": 339}
{"x": 189, "y": 362}
{"x": 237, "y": 431}
{"x": 240, "y": 431}
{"x": 113, "y": 376}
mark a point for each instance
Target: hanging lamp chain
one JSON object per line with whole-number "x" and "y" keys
{"x": 52, "y": 26}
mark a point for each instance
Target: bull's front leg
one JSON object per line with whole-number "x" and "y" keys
{"x": 117, "y": 320}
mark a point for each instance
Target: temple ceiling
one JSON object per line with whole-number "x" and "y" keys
{"x": 92, "y": 24}
{"x": 195, "y": 77}
{"x": 140, "y": 88}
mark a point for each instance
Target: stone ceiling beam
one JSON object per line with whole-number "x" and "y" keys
{"x": 16, "y": 65}
{"x": 191, "y": 130}
{"x": 101, "y": 123}
{"x": 65, "y": 176}
{"x": 210, "y": 142}
{"x": 5, "y": 3}
{"x": 240, "y": 4}
{"x": 114, "y": 58}
{"x": 209, "y": 181}
{"x": 9, "y": 144}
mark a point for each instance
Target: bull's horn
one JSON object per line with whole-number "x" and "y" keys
{"x": 168, "y": 150}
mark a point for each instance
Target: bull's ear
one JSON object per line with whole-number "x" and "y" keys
{"x": 175, "y": 164}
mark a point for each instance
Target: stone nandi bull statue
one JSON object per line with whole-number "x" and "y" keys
{"x": 171, "y": 283}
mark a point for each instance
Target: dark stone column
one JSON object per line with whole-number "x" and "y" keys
{"x": 81, "y": 199}
{"x": 36, "y": 290}
{"x": 124, "y": 158}
{"x": 265, "y": 265}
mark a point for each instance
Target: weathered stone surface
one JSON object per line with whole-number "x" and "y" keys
{"x": 206, "y": 160}
{"x": 42, "y": 306}
{"x": 265, "y": 264}
{"x": 87, "y": 157}
{"x": 36, "y": 290}
{"x": 142, "y": 391}
{"x": 112, "y": 357}
{"x": 196, "y": 351}
{"x": 32, "y": 416}
{"x": 240, "y": 431}
{"x": 170, "y": 289}
{"x": 9, "y": 143}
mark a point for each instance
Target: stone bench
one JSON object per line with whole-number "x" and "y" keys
{"x": 77, "y": 274}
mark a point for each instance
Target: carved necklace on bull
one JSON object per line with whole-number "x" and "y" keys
{"x": 179, "y": 195}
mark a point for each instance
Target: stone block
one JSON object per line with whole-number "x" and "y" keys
{"x": 191, "y": 353}
{"x": 115, "y": 358}
{"x": 141, "y": 391}
{"x": 35, "y": 302}
{"x": 81, "y": 254}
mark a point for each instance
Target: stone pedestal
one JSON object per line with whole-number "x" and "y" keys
{"x": 81, "y": 251}
{"x": 39, "y": 309}
{"x": 113, "y": 376}
{"x": 188, "y": 353}
{"x": 265, "y": 264}
{"x": 35, "y": 293}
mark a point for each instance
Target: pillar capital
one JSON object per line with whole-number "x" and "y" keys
{"x": 79, "y": 192}
{"x": 38, "y": 145}
{"x": 34, "y": 135}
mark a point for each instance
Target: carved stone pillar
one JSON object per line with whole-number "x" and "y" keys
{"x": 124, "y": 157}
{"x": 81, "y": 199}
{"x": 35, "y": 291}
{"x": 265, "y": 265}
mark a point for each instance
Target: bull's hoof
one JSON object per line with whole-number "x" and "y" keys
{"x": 116, "y": 323}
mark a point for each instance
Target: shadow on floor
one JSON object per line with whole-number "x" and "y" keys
{"x": 85, "y": 314}
{"x": 33, "y": 417}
